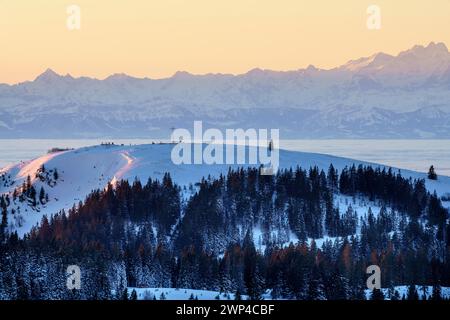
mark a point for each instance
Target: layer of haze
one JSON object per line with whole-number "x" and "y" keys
{"x": 155, "y": 38}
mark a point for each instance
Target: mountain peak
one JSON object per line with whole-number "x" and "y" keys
{"x": 423, "y": 59}
{"x": 311, "y": 68}
{"x": 376, "y": 60}
{"x": 431, "y": 49}
{"x": 119, "y": 76}
{"x": 182, "y": 74}
{"x": 439, "y": 46}
{"x": 48, "y": 75}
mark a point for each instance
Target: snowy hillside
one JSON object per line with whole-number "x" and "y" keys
{"x": 181, "y": 294}
{"x": 82, "y": 170}
{"x": 305, "y": 233}
{"x": 382, "y": 96}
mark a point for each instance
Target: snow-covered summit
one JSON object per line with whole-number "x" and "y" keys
{"x": 82, "y": 170}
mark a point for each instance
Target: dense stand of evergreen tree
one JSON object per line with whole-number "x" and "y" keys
{"x": 231, "y": 234}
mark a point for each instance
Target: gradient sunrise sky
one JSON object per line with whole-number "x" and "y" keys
{"x": 155, "y": 38}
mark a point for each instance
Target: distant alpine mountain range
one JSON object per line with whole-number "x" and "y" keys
{"x": 381, "y": 96}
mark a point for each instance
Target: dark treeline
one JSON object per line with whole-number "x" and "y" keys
{"x": 232, "y": 234}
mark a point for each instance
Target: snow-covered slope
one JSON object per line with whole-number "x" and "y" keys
{"x": 183, "y": 294}
{"x": 82, "y": 170}
{"x": 381, "y": 96}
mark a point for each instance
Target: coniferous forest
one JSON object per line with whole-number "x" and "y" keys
{"x": 294, "y": 235}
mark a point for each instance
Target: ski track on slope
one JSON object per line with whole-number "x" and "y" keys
{"x": 90, "y": 168}
{"x": 126, "y": 168}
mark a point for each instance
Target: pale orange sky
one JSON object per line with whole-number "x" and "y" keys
{"x": 155, "y": 38}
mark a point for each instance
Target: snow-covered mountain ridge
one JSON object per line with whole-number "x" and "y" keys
{"x": 381, "y": 96}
